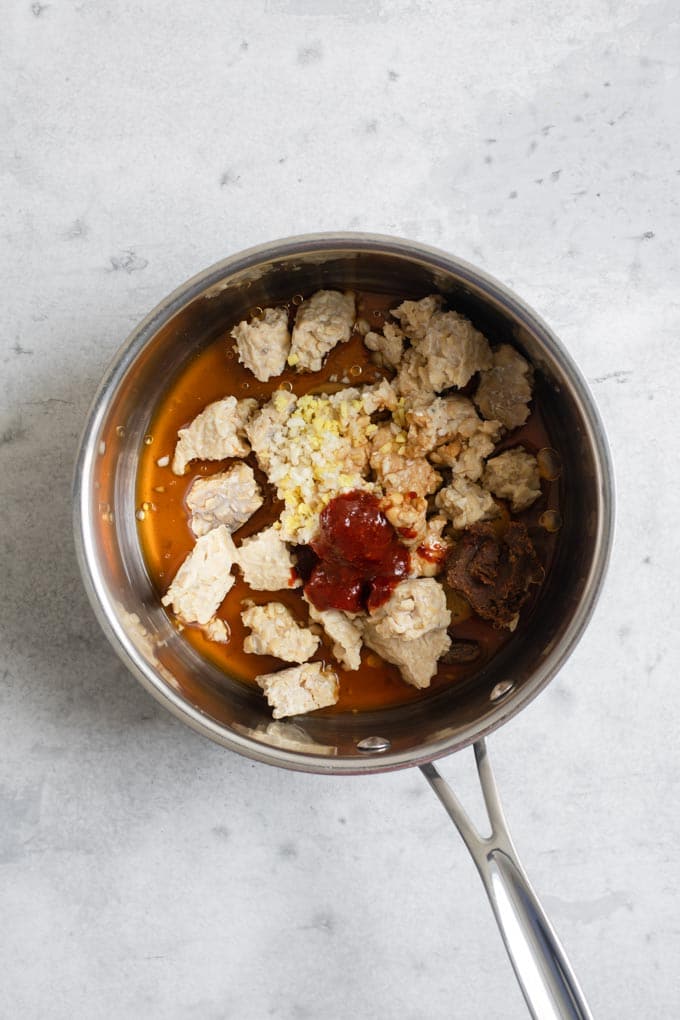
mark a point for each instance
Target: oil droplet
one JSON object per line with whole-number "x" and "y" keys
{"x": 297, "y": 299}
{"x": 551, "y": 521}
{"x": 549, "y": 463}
{"x": 140, "y": 515}
{"x": 148, "y": 440}
{"x": 120, "y": 430}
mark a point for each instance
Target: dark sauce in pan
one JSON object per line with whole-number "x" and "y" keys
{"x": 166, "y": 538}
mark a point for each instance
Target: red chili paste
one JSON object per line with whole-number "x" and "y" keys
{"x": 360, "y": 558}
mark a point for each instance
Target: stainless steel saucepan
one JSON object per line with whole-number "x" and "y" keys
{"x": 236, "y": 716}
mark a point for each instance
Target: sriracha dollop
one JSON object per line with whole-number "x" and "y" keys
{"x": 360, "y": 558}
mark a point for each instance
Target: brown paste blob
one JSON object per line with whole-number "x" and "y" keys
{"x": 494, "y": 571}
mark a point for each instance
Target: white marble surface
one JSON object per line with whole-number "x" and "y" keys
{"x": 144, "y": 872}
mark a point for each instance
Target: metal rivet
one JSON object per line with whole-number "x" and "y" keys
{"x": 501, "y": 689}
{"x": 377, "y": 744}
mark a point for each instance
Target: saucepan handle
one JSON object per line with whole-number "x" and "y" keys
{"x": 542, "y": 969}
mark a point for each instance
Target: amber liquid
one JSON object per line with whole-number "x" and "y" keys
{"x": 167, "y": 539}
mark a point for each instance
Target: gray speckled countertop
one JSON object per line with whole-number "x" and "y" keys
{"x": 145, "y": 872}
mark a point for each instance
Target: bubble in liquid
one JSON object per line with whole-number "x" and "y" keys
{"x": 287, "y": 385}
{"x": 356, "y": 370}
{"x": 245, "y": 385}
{"x": 375, "y": 314}
{"x": 549, "y": 463}
{"x": 120, "y": 430}
{"x": 257, "y": 311}
{"x": 104, "y": 508}
{"x": 146, "y": 506}
{"x": 148, "y": 440}
{"x": 159, "y": 488}
{"x": 297, "y": 299}
{"x": 140, "y": 515}
{"x": 551, "y": 521}
{"x": 102, "y": 448}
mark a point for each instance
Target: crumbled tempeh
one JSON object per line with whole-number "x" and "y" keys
{"x": 324, "y": 320}
{"x": 504, "y": 390}
{"x": 264, "y": 343}
{"x": 343, "y": 632}
{"x": 450, "y": 353}
{"x": 203, "y": 580}
{"x": 300, "y": 689}
{"x": 465, "y": 502}
{"x": 450, "y": 432}
{"x": 217, "y": 630}
{"x": 379, "y": 397}
{"x": 513, "y": 475}
{"x": 415, "y": 607}
{"x": 275, "y": 631}
{"x": 396, "y": 472}
{"x": 415, "y": 316}
{"x": 409, "y": 630}
{"x": 229, "y": 497}
{"x": 416, "y": 660}
{"x": 266, "y": 563}
{"x": 387, "y": 346}
{"x": 215, "y": 434}
{"x": 265, "y": 426}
